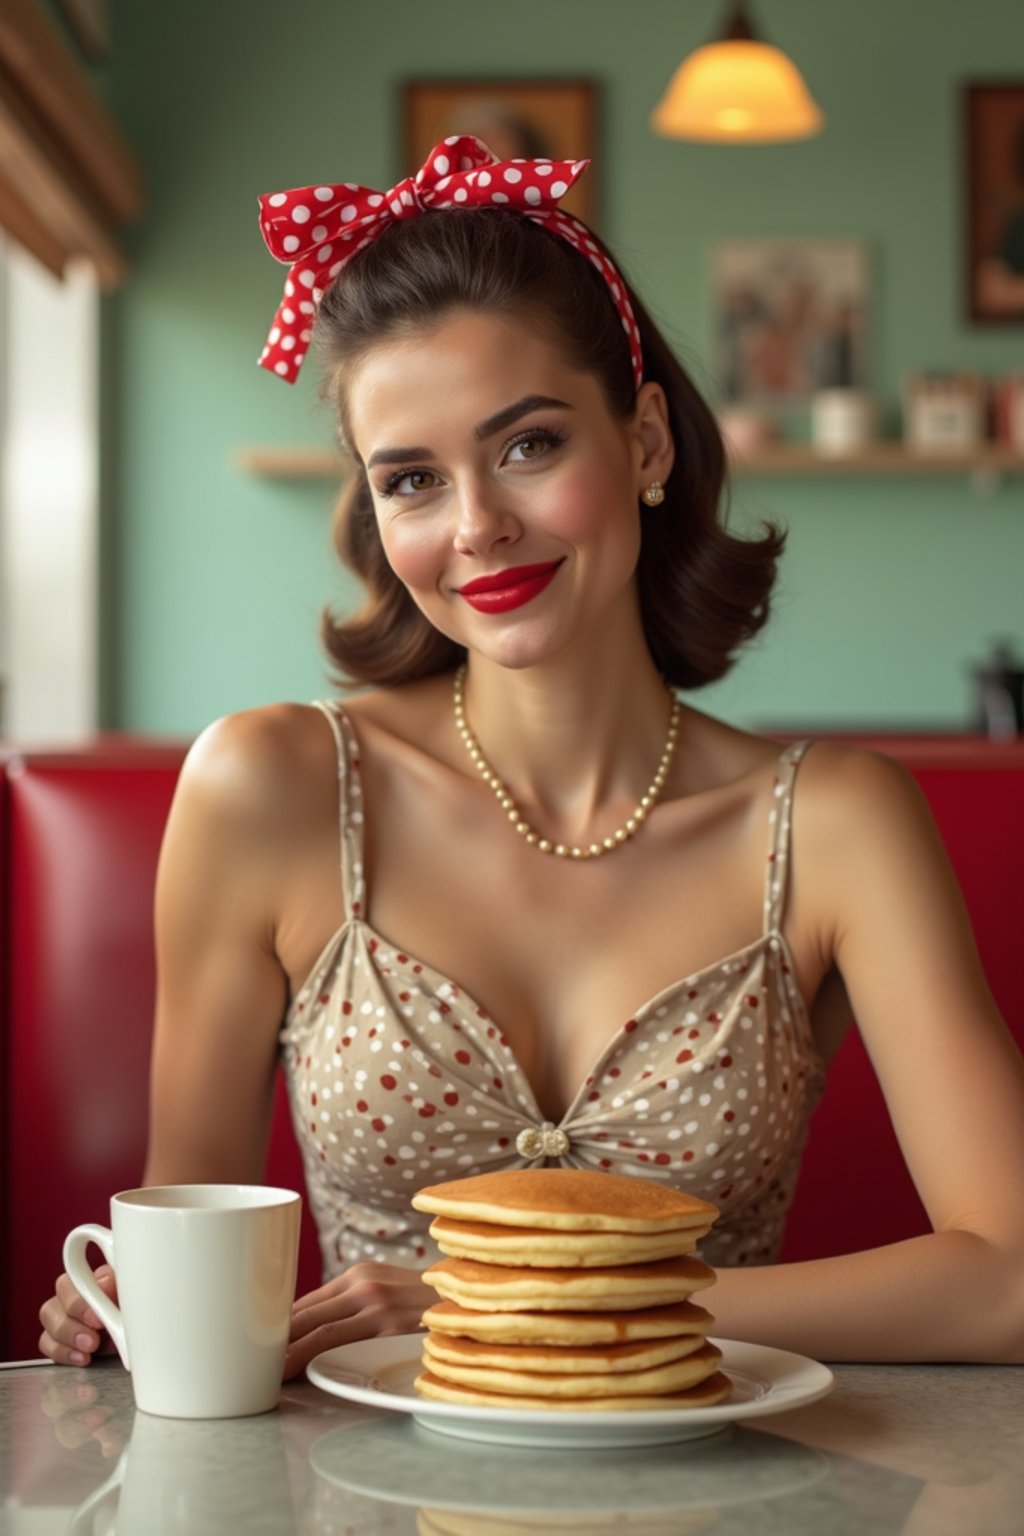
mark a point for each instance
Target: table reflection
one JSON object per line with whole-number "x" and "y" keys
{"x": 184, "y": 1477}
{"x": 894, "y": 1451}
{"x": 393, "y": 1475}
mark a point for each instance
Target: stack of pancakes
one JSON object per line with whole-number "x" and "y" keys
{"x": 567, "y": 1289}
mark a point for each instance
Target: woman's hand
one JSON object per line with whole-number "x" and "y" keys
{"x": 367, "y": 1301}
{"x": 72, "y": 1333}
{"x": 78, "y": 1412}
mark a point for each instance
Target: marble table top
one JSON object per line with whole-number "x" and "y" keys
{"x": 924, "y": 1450}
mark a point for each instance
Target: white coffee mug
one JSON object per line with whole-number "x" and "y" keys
{"x": 205, "y": 1283}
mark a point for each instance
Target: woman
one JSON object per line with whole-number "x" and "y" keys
{"x": 536, "y": 836}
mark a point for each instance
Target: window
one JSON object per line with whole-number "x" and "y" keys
{"x": 49, "y": 500}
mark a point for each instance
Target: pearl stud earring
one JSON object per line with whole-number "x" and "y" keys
{"x": 654, "y": 495}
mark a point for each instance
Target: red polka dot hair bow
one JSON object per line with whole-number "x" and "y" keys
{"x": 316, "y": 230}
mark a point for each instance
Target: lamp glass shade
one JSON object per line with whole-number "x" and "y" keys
{"x": 737, "y": 92}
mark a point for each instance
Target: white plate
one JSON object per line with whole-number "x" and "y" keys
{"x": 387, "y": 1459}
{"x": 380, "y": 1373}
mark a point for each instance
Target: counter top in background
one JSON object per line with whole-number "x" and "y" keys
{"x": 925, "y": 749}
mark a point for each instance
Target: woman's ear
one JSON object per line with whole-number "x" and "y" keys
{"x": 654, "y": 449}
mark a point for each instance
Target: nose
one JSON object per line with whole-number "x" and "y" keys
{"x": 483, "y": 522}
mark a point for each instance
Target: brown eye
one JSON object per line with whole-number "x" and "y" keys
{"x": 529, "y": 448}
{"x": 408, "y": 482}
{"x": 533, "y": 445}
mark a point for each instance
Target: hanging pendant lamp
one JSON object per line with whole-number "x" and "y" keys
{"x": 737, "y": 91}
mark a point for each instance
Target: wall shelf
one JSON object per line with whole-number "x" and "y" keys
{"x": 291, "y": 463}
{"x": 881, "y": 459}
{"x": 991, "y": 460}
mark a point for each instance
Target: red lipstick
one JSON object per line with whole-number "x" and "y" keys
{"x": 508, "y": 589}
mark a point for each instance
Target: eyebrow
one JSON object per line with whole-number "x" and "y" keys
{"x": 512, "y": 413}
{"x": 484, "y": 429}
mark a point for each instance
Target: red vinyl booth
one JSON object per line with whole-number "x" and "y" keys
{"x": 79, "y": 837}
{"x": 848, "y": 1200}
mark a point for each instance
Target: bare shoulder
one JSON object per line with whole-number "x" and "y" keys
{"x": 847, "y": 792}
{"x": 272, "y": 767}
{"x": 835, "y": 777}
{"x": 267, "y": 778}
{"x": 870, "y": 857}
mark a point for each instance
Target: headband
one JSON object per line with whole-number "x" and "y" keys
{"x": 316, "y": 230}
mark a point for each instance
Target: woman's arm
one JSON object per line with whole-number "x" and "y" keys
{"x": 257, "y": 805}
{"x": 874, "y": 868}
{"x": 221, "y": 990}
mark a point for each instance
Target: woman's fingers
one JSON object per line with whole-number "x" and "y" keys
{"x": 322, "y": 1293}
{"x": 76, "y": 1306}
{"x": 72, "y": 1333}
{"x": 331, "y": 1333}
{"x": 64, "y": 1339}
{"x": 305, "y": 1347}
{"x": 366, "y": 1302}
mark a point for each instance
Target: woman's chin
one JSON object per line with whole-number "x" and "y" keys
{"x": 514, "y": 646}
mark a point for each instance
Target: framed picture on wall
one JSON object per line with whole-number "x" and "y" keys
{"x": 515, "y": 118}
{"x": 995, "y": 202}
{"x": 789, "y": 317}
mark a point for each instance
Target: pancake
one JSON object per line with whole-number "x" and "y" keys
{"x": 671, "y": 1377}
{"x": 493, "y": 1287}
{"x": 560, "y": 1328}
{"x": 552, "y": 1248}
{"x": 566, "y": 1199}
{"x": 714, "y": 1389}
{"x": 584, "y": 1359}
{"x": 459, "y": 1522}
{"x": 544, "y": 1271}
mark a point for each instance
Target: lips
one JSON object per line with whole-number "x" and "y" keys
{"x": 510, "y": 588}
{"x": 510, "y": 577}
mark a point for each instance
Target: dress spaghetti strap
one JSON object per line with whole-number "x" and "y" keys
{"x": 350, "y": 809}
{"x": 779, "y": 820}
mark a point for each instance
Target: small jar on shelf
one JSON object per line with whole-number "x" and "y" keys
{"x": 944, "y": 412}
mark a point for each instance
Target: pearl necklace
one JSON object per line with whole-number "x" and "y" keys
{"x": 543, "y": 844}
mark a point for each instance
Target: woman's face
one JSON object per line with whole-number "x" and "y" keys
{"x": 506, "y": 493}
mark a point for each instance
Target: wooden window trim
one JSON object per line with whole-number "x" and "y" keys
{"x": 68, "y": 178}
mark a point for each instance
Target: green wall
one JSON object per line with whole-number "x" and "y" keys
{"x": 214, "y": 580}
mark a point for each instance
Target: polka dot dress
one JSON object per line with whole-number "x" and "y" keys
{"x": 398, "y": 1079}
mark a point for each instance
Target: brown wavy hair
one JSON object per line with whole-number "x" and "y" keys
{"x": 703, "y": 591}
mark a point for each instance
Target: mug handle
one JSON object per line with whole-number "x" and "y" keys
{"x": 78, "y": 1270}
{"x": 83, "y": 1521}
